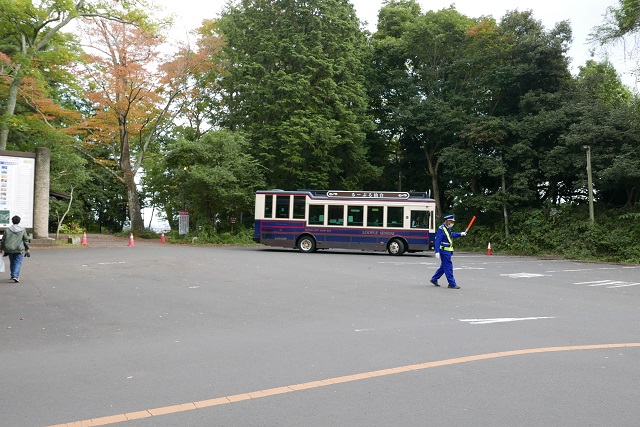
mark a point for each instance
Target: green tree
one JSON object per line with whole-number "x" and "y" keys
{"x": 607, "y": 121}
{"x": 295, "y": 84}
{"x": 620, "y": 20}
{"x": 68, "y": 173}
{"x": 518, "y": 87}
{"x": 416, "y": 104}
{"x": 214, "y": 178}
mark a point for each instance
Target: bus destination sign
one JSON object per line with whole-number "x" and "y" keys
{"x": 369, "y": 194}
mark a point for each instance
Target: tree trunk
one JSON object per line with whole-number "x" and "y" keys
{"x": 129, "y": 178}
{"x": 436, "y": 195}
{"x": 135, "y": 213}
{"x": 504, "y": 207}
{"x": 433, "y": 172}
{"x": 10, "y": 108}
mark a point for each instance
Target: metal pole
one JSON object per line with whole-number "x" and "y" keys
{"x": 590, "y": 184}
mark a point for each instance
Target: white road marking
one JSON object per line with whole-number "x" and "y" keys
{"x": 610, "y": 284}
{"x": 623, "y": 286}
{"x": 501, "y": 320}
{"x": 594, "y": 282}
{"x": 523, "y": 275}
{"x": 110, "y": 263}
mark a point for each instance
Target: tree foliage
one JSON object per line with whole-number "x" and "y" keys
{"x": 295, "y": 85}
{"x": 215, "y": 177}
{"x": 130, "y": 97}
{"x": 32, "y": 41}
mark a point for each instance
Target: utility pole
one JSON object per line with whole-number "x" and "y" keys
{"x": 589, "y": 183}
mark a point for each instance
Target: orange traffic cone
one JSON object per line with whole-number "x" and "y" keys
{"x": 489, "y": 249}
{"x": 84, "y": 238}
{"x": 131, "y": 242}
{"x": 162, "y": 238}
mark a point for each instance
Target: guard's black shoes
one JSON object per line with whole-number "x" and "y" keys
{"x": 434, "y": 283}
{"x": 454, "y": 287}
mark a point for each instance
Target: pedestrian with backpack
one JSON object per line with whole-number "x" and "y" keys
{"x": 14, "y": 244}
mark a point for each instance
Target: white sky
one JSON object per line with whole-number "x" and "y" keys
{"x": 583, "y": 15}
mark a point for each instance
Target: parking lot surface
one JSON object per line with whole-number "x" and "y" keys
{"x": 168, "y": 335}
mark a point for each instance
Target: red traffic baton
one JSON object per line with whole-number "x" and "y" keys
{"x": 470, "y": 223}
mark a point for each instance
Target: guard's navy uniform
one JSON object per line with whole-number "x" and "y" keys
{"x": 444, "y": 246}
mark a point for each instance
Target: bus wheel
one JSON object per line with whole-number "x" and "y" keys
{"x": 307, "y": 244}
{"x": 395, "y": 247}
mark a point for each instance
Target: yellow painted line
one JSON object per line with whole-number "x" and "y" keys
{"x": 120, "y": 418}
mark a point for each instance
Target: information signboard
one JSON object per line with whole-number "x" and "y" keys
{"x": 17, "y": 176}
{"x": 183, "y": 222}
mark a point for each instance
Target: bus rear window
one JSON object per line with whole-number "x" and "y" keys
{"x": 268, "y": 206}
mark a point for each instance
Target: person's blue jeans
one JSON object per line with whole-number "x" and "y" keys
{"x": 15, "y": 261}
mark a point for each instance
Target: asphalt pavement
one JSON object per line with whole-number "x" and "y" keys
{"x": 181, "y": 335}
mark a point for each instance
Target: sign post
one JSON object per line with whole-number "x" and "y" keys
{"x": 183, "y": 222}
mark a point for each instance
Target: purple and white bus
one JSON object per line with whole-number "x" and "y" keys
{"x": 396, "y": 222}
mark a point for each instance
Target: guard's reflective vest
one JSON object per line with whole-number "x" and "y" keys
{"x": 446, "y": 233}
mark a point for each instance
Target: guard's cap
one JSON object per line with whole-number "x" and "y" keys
{"x": 450, "y": 218}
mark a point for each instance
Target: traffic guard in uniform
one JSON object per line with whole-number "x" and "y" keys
{"x": 444, "y": 251}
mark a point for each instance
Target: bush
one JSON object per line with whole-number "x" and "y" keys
{"x": 72, "y": 228}
{"x": 241, "y": 236}
{"x": 565, "y": 232}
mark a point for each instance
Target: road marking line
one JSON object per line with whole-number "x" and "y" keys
{"x": 609, "y": 282}
{"x": 113, "y": 419}
{"x": 595, "y": 281}
{"x": 623, "y": 286}
{"x": 501, "y": 320}
{"x": 523, "y": 275}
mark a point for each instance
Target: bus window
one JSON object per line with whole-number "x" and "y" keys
{"x": 268, "y": 206}
{"x": 316, "y": 214}
{"x": 419, "y": 219}
{"x": 336, "y": 215}
{"x": 282, "y": 206}
{"x": 298, "y": 207}
{"x": 374, "y": 216}
{"x": 394, "y": 216}
{"x": 355, "y": 215}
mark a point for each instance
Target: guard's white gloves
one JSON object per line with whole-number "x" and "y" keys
{"x": 464, "y": 233}
{"x": 438, "y": 255}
